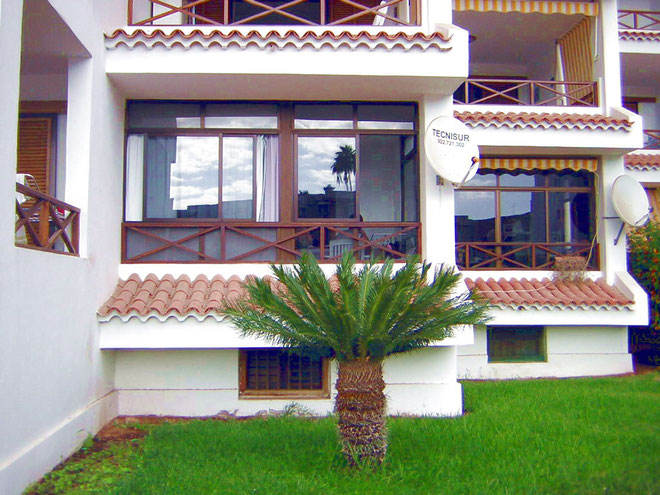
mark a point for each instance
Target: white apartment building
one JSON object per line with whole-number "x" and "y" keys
{"x": 168, "y": 149}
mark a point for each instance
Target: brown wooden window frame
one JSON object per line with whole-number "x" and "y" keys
{"x": 522, "y": 333}
{"x": 244, "y": 392}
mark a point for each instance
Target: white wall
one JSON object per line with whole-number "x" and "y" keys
{"x": 56, "y": 385}
{"x": 571, "y": 351}
{"x": 204, "y": 382}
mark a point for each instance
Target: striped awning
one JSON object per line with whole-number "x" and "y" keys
{"x": 654, "y": 200}
{"x": 528, "y": 7}
{"x": 590, "y": 164}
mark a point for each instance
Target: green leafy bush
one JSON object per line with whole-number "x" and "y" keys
{"x": 644, "y": 263}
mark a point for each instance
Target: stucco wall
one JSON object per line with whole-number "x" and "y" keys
{"x": 571, "y": 351}
{"x": 203, "y": 382}
{"x": 55, "y": 383}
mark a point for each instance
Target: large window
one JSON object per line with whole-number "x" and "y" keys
{"x": 282, "y": 373}
{"x": 516, "y": 344}
{"x": 523, "y": 219}
{"x": 248, "y": 165}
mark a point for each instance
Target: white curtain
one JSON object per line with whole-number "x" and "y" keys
{"x": 161, "y": 154}
{"x": 134, "y": 177}
{"x": 267, "y": 171}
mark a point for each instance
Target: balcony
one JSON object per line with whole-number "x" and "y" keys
{"x": 45, "y": 223}
{"x": 266, "y": 242}
{"x": 478, "y": 91}
{"x": 520, "y": 256}
{"x": 652, "y": 139}
{"x": 639, "y": 19}
{"x": 273, "y": 12}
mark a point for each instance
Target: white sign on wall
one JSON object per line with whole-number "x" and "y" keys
{"x": 451, "y": 150}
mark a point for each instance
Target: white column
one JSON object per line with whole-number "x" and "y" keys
{"x": 436, "y": 201}
{"x": 612, "y": 258}
{"x": 10, "y": 64}
{"x": 607, "y": 69}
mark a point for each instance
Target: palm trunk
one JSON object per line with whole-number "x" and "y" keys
{"x": 360, "y": 404}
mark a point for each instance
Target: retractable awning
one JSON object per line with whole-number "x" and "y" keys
{"x": 528, "y": 7}
{"x": 590, "y": 164}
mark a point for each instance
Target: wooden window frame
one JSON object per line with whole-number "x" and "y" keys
{"x": 288, "y": 153}
{"x": 542, "y": 357}
{"x": 546, "y": 189}
{"x": 245, "y": 393}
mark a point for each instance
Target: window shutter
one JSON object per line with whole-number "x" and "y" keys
{"x": 213, "y": 9}
{"x": 340, "y": 10}
{"x": 34, "y": 137}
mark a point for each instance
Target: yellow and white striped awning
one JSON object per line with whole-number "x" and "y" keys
{"x": 589, "y": 164}
{"x": 528, "y": 7}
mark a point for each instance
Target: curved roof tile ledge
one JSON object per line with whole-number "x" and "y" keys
{"x": 520, "y": 120}
{"x": 548, "y": 294}
{"x": 638, "y": 35}
{"x": 276, "y": 40}
{"x": 642, "y": 161}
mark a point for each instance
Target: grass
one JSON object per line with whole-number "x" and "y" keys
{"x": 581, "y": 436}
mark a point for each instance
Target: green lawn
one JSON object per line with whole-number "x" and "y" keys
{"x": 580, "y": 436}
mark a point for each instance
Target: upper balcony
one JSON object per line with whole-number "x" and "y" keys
{"x": 274, "y": 12}
{"x": 537, "y": 54}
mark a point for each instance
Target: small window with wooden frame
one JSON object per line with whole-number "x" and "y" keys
{"x": 520, "y": 344}
{"x": 281, "y": 373}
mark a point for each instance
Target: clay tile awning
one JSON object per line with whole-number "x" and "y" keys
{"x": 539, "y": 294}
{"x": 643, "y": 161}
{"x": 167, "y": 297}
{"x": 545, "y": 120}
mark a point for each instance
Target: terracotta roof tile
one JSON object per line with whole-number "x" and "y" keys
{"x": 544, "y": 120}
{"x": 638, "y": 35}
{"x": 545, "y": 293}
{"x": 274, "y": 39}
{"x": 178, "y": 297}
{"x": 642, "y": 161}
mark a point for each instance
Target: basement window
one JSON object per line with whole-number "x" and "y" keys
{"x": 280, "y": 373}
{"x": 516, "y": 344}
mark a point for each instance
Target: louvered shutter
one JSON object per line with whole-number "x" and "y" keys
{"x": 34, "y": 139}
{"x": 213, "y": 10}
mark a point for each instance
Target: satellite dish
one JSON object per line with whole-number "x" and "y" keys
{"x": 451, "y": 150}
{"x": 630, "y": 201}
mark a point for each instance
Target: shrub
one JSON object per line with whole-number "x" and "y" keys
{"x": 644, "y": 264}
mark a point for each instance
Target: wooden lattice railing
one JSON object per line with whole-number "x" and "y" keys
{"x": 651, "y": 139}
{"x": 261, "y": 242}
{"x": 45, "y": 223}
{"x": 526, "y": 92}
{"x": 225, "y": 12}
{"x": 639, "y": 19}
{"x": 520, "y": 256}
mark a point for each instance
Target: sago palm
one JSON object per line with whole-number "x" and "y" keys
{"x": 360, "y": 317}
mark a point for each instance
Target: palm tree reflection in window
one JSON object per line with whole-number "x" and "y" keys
{"x": 344, "y": 166}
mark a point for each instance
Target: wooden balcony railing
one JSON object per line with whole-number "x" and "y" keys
{"x": 652, "y": 139}
{"x": 306, "y": 12}
{"x": 524, "y": 92}
{"x": 519, "y": 256}
{"x": 639, "y": 19}
{"x": 45, "y": 223}
{"x": 260, "y": 242}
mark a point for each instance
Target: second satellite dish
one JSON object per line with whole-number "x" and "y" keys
{"x": 451, "y": 150}
{"x": 630, "y": 201}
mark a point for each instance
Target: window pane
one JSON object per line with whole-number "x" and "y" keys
{"x": 475, "y": 216}
{"x": 241, "y": 116}
{"x": 275, "y": 369}
{"x": 523, "y": 216}
{"x": 313, "y": 116}
{"x": 309, "y": 10}
{"x": 164, "y": 115}
{"x": 516, "y": 344}
{"x": 522, "y": 180}
{"x": 386, "y": 117}
{"x": 182, "y": 177}
{"x": 569, "y": 179}
{"x": 326, "y": 177}
{"x": 570, "y": 217}
{"x": 237, "y": 174}
{"x": 482, "y": 179}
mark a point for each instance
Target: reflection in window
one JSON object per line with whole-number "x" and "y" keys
{"x": 182, "y": 177}
{"x": 237, "y": 173}
{"x": 326, "y": 177}
{"x": 314, "y": 116}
